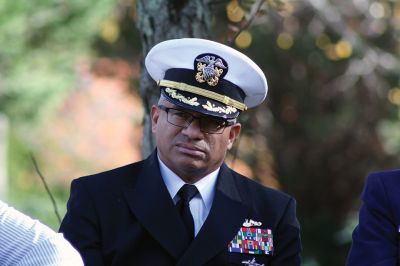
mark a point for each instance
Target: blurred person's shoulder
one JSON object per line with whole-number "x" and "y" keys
{"x": 385, "y": 176}
{"x": 118, "y": 176}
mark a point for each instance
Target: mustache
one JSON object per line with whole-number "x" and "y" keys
{"x": 194, "y": 145}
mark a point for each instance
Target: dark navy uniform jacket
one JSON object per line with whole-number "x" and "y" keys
{"x": 377, "y": 236}
{"x": 127, "y": 217}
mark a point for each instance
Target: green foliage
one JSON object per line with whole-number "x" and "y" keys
{"x": 40, "y": 43}
{"x": 390, "y": 135}
{"x": 26, "y": 191}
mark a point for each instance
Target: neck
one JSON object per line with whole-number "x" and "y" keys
{"x": 190, "y": 179}
{"x": 192, "y": 176}
{"x": 189, "y": 176}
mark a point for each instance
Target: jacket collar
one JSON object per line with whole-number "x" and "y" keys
{"x": 151, "y": 203}
{"x": 226, "y": 217}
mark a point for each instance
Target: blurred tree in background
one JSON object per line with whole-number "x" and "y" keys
{"x": 41, "y": 44}
{"x": 159, "y": 21}
{"x": 331, "y": 114}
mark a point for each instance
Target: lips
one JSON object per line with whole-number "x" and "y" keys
{"x": 191, "y": 149}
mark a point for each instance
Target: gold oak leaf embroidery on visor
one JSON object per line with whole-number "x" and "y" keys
{"x": 218, "y": 109}
{"x": 181, "y": 98}
{"x": 203, "y": 92}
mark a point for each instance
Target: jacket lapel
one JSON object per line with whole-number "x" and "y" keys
{"x": 222, "y": 224}
{"x": 152, "y": 205}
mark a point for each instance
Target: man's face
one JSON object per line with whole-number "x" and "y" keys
{"x": 188, "y": 152}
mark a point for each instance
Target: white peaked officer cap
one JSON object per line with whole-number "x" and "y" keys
{"x": 206, "y": 77}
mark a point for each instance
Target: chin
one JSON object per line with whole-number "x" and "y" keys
{"x": 191, "y": 165}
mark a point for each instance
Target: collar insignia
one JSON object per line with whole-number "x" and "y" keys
{"x": 210, "y": 68}
{"x": 250, "y": 223}
{"x": 251, "y": 262}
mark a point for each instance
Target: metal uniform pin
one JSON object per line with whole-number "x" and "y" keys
{"x": 251, "y": 262}
{"x": 250, "y": 222}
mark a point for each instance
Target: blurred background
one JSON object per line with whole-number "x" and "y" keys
{"x": 73, "y": 98}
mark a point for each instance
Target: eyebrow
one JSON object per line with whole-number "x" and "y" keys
{"x": 198, "y": 114}
{"x": 193, "y": 113}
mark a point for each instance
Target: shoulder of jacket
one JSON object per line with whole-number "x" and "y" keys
{"x": 251, "y": 186}
{"x": 111, "y": 176}
{"x": 391, "y": 176}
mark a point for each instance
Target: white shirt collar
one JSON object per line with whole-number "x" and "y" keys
{"x": 205, "y": 186}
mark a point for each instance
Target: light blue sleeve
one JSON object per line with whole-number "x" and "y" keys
{"x": 27, "y": 242}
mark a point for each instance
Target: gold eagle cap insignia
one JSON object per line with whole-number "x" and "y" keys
{"x": 209, "y": 69}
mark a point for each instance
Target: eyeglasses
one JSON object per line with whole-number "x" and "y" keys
{"x": 183, "y": 119}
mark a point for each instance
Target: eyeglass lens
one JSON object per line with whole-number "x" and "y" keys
{"x": 184, "y": 119}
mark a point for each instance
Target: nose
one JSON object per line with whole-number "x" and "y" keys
{"x": 193, "y": 130}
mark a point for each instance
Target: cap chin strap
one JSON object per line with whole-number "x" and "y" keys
{"x": 202, "y": 92}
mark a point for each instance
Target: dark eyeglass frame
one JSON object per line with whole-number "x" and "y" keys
{"x": 223, "y": 123}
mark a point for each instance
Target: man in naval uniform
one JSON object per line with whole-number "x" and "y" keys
{"x": 183, "y": 205}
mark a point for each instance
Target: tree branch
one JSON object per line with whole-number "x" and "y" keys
{"x": 245, "y": 25}
{"x": 47, "y": 188}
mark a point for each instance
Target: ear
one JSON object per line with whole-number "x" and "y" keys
{"x": 233, "y": 134}
{"x": 155, "y": 114}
